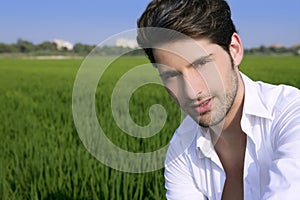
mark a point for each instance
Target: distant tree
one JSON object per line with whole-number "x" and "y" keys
{"x": 113, "y": 50}
{"x": 46, "y": 46}
{"x": 254, "y": 50}
{"x": 25, "y": 46}
{"x": 83, "y": 48}
{"x": 278, "y": 49}
{"x": 8, "y": 48}
{"x": 295, "y": 50}
{"x": 264, "y": 50}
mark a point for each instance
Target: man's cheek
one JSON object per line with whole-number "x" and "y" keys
{"x": 173, "y": 91}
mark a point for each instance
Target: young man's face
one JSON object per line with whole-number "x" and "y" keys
{"x": 200, "y": 76}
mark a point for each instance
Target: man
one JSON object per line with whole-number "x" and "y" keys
{"x": 245, "y": 135}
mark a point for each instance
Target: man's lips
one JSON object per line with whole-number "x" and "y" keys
{"x": 200, "y": 103}
{"x": 203, "y": 106}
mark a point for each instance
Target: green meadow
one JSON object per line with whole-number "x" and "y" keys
{"x": 42, "y": 156}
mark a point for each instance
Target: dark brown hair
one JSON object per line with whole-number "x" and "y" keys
{"x": 210, "y": 19}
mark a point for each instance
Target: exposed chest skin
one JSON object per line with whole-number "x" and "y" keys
{"x": 231, "y": 154}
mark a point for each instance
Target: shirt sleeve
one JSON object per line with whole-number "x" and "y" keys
{"x": 284, "y": 180}
{"x": 179, "y": 182}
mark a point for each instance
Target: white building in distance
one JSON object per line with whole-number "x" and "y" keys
{"x": 61, "y": 44}
{"x": 126, "y": 43}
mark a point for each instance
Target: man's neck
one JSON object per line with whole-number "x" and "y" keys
{"x": 227, "y": 130}
{"x": 234, "y": 116}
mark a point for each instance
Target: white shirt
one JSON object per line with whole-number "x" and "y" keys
{"x": 271, "y": 121}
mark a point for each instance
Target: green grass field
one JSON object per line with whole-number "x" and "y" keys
{"x": 42, "y": 156}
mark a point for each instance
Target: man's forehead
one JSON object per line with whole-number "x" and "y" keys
{"x": 188, "y": 50}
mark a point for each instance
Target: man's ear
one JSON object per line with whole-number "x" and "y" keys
{"x": 236, "y": 49}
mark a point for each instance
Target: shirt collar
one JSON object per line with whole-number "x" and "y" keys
{"x": 253, "y": 105}
{"x": 253, "y": 100}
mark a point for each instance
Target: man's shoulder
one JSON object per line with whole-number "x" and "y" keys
{"x": 283, "y": 104}
{"x": 267, "y": 89}
{"x": 274, "y": 98}
{"x": 278, "y": 97}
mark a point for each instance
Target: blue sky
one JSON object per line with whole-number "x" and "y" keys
{"x": 259, "y": 22}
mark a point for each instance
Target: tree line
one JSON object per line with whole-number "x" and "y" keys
{"x": 277, "y": 50}
{"x": 51, "y": 48}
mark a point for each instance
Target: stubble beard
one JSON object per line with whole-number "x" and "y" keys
{"x": 222, "y": 105}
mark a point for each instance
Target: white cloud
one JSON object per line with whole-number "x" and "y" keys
{"x": 63, "y": 44}
{"x": 123, "y": 42}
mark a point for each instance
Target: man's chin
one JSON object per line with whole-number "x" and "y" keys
{"x": 204, "y": 119}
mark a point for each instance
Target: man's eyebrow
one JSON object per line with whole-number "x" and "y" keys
{"x": 168, "y": 73}
{"x": 201, "y": 59}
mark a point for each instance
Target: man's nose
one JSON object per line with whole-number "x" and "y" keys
{"x": 193, "y": 84}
